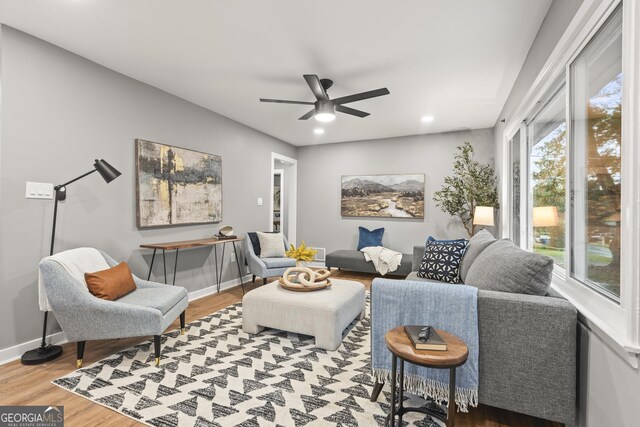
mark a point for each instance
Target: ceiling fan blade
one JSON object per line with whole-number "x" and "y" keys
{"x": 361, "y": 96}
{"x": 308, "y": 115}
{"x": 316, "y": 87}
{"x": 351, "y": 111}
{"x": 284, "y": 101}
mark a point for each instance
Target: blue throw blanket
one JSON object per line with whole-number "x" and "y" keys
{"x": 453, "y": 308}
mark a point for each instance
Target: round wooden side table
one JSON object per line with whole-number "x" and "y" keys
{"x": 401, "y": 348}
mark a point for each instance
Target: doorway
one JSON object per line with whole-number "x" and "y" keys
{"x": 283, "y": 200}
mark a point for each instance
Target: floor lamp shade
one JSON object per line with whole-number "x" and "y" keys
{"x": 108, "y": 172}
{"x": 483, "y": 215}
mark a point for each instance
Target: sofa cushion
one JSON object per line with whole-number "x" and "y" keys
{"x": 478, "y": 243}
{"x": 441, "y": 261}
{"x": 505, "y": 267}
{"x": 349, "y": 259}
{"x": 163, "y": 299}
{"x": 112, "y": 283}
{"x": 279, "y": 262}
{"x": 271, "y": 245}
{"x": 413, "y": 276}
{"x": 368, "y": 238}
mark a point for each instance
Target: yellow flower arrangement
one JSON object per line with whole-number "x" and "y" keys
{"x": 302, "y": 253}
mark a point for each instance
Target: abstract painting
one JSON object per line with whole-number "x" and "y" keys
{"x": 393, "y": 196}
{"x": 177, "y": 186}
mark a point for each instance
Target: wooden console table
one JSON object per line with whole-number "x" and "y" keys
{"x": 197, "y": 243}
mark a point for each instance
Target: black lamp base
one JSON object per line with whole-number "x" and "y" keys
{"x": 41, "y": 355}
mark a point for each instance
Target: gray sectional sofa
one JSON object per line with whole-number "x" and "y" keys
{"x": 527, "y": 358}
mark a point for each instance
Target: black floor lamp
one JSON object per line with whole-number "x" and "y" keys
{"x": 46, "y": 353}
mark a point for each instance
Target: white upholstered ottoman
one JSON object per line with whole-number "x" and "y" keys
{"x": 322, "y": 314}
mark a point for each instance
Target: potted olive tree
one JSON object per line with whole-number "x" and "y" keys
{"x": 472, "y": 184}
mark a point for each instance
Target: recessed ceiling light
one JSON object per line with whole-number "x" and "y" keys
{"x": 426, "y": 119}
{"x": 318, "y": 131}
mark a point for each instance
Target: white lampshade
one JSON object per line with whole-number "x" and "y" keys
{"x": 483, "y": 215}
{"x": 545, "y": 216}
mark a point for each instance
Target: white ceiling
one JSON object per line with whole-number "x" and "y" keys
{"x": 454, "y": 60}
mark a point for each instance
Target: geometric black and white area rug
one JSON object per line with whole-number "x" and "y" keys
{"x": 216, "y": 375}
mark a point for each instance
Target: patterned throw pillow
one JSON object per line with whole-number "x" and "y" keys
{"x": 441, "y": 261}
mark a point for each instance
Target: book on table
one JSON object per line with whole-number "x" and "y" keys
{"x": 425, "y": 338}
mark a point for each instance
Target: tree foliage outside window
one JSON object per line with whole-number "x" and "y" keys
{"x": 603, "y": 185}
{"x": 472, "y": 184}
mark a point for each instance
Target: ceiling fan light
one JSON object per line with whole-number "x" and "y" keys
{"x": 325, "y": 112}
{"x": 325, "y": 117}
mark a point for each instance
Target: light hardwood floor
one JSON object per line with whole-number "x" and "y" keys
{"x": 30, "y": 385}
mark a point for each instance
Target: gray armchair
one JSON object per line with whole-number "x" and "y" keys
{"x": 148, "y": 310}
{"x": 265, "y": 267}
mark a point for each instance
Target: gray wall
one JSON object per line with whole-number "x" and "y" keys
{"x": 320, "y": 168}
{"x": 608, "y": 385}
{"x": 59, "y": 112}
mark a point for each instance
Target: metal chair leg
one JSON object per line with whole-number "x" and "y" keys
{"x": 156, "y": 347}
{"x": 79, "y": 353}
{"x": 182, "y": 322}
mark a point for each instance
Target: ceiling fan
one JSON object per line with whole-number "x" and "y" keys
{"x": 324, "y": 108}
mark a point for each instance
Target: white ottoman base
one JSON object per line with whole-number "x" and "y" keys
{"x": 322, "y": 314}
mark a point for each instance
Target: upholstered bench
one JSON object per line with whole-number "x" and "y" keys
{"x": 322, "y": 314}
{"x": 346, "y": 259}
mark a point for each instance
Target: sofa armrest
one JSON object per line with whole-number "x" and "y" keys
{"x": 528, "y": 354}
{"x": 418, "y": 254}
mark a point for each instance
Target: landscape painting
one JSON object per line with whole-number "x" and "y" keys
{"x": 394, "y": 196}
{"x": 177, "y": 186}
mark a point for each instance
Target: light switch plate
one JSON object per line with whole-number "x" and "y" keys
{"x": 39, "y": 190}
{"x": 259, "y": 201}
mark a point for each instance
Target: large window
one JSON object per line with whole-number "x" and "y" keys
{"x": 547, "y": 178}
{"x": 596, "y": 120}
{"x": 579, "y": 170}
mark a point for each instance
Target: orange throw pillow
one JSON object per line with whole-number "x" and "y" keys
{"x": 111, "y": 284}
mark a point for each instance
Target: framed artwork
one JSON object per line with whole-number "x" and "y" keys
{"x": 176, "y": 186}
{"x": 392, "y": 196}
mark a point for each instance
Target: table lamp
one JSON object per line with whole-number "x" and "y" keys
{"x": 545, "y": 216}
{"x": 483, "y": 215}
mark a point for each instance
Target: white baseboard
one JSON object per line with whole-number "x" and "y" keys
{"x": 14, "y": 353}
{"x": 210, "y": 290}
